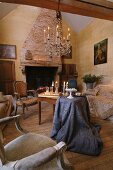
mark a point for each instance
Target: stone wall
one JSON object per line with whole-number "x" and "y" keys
{"x": 35, "y": 40}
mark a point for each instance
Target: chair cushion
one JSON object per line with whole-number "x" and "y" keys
{"x": 27, "y": 101}
{"x": 30, "y": 101}
{"x": 26, "y": 145}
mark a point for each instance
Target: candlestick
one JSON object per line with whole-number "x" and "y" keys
{"x": 64, "y": 84}
{"x": 56, "y": 90}
{"x": 56, "y": 87}
{"x": 51, "y": 89}
{"x": 64, "y": 87}
{"x": 56, "y": 84}
{"x": 67, "y": 85}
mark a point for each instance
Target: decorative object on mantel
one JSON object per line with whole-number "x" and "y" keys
{"x": 22, "y": 68}
{"x": 90, "y": 80}
{"x": 100, "y": 52}
{"x": 28, "y": 55}
{"x": 58, "y": 46}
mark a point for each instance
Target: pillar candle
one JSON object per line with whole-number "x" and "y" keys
{"x": 52, "y": 83}
{"x": 64, "y": 84}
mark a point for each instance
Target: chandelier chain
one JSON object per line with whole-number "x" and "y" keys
{"x": 60, "y": 45}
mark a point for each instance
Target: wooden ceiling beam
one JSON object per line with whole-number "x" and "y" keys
{"x": 102, "y": 3}
{"x": 71, "y": 6}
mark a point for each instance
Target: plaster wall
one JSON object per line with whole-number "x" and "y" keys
{"x": 14, "y": 29}
{"x": 95, "y": 32}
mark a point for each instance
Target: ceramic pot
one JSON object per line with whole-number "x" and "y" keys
{"x": 89, "y": 85}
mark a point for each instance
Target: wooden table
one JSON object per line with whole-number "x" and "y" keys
{"x": 46, "y": 98}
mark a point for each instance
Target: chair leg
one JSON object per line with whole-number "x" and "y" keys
{"x": 23, "y": 115}
{"x": 26, "y": 107}
{"x": 16, "y": 110}
{"x": 23, "y": 108}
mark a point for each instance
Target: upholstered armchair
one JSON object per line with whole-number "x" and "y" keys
{"x": 101, "y": 101}
{"x": 23, "y": 100}
{"x": 31, "y": 151}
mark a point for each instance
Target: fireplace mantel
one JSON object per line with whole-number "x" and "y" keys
{"x": 40, "y": 63}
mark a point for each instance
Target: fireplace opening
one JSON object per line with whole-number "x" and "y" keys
{"x": 37, "y": 77}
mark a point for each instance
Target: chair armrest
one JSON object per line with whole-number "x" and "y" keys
{"x": 42, "y": 157}
{"x": 7, "y": 119}
{"x": 17, "y": 123}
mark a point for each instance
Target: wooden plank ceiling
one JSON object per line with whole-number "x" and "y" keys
{"x": 102, "y": 9}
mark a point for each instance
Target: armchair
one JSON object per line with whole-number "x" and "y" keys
{"x": 21, "y": 95}
{"x": 101, "y": 101}
{"x": 31, "y": 151}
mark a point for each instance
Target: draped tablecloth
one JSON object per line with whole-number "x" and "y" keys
{"x": 72, "y": 125}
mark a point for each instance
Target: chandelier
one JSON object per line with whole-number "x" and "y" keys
{"x": 59, "y": 45}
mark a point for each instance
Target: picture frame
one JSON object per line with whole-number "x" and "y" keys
{"x": 68, "y": 56}
{"x": 100, "y": 52}
{"x": 7, "y": 51}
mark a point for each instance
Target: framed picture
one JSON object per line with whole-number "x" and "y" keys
{"x": 68, "y": 56}
{"x": 7, "y": 51}
{"x": 100, "y": 52}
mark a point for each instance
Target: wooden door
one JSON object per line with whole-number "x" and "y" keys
{"x": 7, "y": 76}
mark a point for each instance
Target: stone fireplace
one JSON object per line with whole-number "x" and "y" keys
{"x": 38, "y": 68}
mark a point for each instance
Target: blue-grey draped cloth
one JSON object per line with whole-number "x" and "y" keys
{"x": 72, "y": 125}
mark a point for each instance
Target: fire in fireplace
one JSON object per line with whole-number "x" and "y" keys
{"x": 37, "y": 77}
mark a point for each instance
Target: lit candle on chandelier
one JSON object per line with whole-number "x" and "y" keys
{"x": 68, "y": 29}
{"x": 57, "y": 34}
{"x": 44, "y": 36}
{"x": 48, "y": 33}
{"x": 68, "y": 35}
